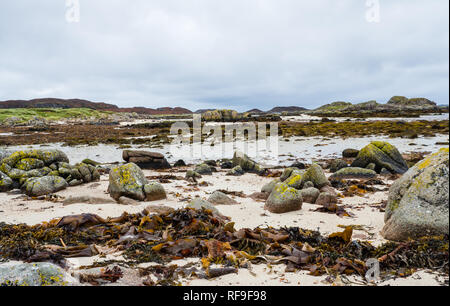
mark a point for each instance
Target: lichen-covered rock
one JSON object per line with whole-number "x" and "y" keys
{"x": 203, "y": 169}
{"x": 383, "y": 155}
{"x": 418, "y": 203}
{"x": 350, "y": 153}
{"x": 127, "y": 180}
{"x": 37, "y": 173}
{"x": 34, "y": 274}
{"x": 220, "y": 198}
{"x": 48, "y": 156}
{"x": 37, "y": 186}
{"x": 154, "y": 191}
{"x": 4, "y": 154}
{"x": 296, "y": 179}
{"x": 6, "y": 183}
{"x": 199, "y": 204}
{"x": 64, "y": 172}
{"x": 337, "y": 165}
{"x": 248, "y": 165}
{"x": 353, "y": 173}
{"x": 287, "y": 173}
{"x": 310, "y": 195}
{"x": 284, "y": 199}
{"x": 236, "y": 171}
{"x": 316, "y": 175}
{"x": 268, "y": 188}
{"x": 27, "y": 164}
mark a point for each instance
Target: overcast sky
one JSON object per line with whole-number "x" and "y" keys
{"x": 238, "y": 54}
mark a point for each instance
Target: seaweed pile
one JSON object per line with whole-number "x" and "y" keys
{"x": 211, "y": 237}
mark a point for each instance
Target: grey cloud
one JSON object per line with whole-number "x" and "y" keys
{"x": 234, "y": 54}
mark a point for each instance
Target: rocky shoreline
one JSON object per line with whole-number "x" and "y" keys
{"x": 223, "y": 221}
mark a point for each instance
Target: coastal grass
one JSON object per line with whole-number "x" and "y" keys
{"x": 51, "y": 114}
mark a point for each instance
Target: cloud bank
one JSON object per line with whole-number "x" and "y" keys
{"x": 229, "y": 54}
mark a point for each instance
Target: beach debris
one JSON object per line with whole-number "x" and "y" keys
{"x": 210, "y": 237}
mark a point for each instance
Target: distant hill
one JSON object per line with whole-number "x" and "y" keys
{"x": 255, "y": 111}
{"x": 151, "y": 111}
{"x": 280, "y": 109}
{"x": 56, "y": 103}
{"x": 79, "y": 103}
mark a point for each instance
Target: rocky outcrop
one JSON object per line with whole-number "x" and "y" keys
{"x": 418, "y": 203}
{"x": 222, "y": 115}
{"x": 146, "y": 160}
{"x": 413, "y": 103}
{"x": 284, "y": 199}
{"x": 24, "y": 168}
{"x": 383, "y": 155}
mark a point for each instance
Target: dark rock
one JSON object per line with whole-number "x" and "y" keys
{"x": 180, "y": 163}
{"x": 337, "y": 164}
{"x": 350, "y": 153}
{"x": 146, "y": 160}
